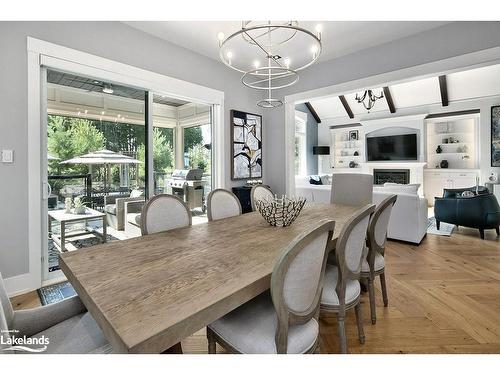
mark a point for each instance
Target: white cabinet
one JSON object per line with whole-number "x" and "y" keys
{"x": 436, "y": 180}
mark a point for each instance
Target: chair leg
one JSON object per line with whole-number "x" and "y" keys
{"x": 211, "y": 342}
{"x": 384, "y": 289}
{"x": 481, "y": 233}
{"x": 359, "y": 321}
{"x": 342, "y": 336}
{"x": 371, "y": 293}
{"x": 438, "y": 223}
{"x": 498, "y": 231}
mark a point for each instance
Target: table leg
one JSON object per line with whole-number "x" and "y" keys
{"x": 63, "y": 236}
{"x": 104, "y": 229}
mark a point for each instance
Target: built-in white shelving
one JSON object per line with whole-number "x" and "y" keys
{"x": 343, "y": 149}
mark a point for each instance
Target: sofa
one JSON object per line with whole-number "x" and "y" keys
{"x": 114, "y": 207}
{"x": 479, "y": 210}
{"x": 132, "y": 215}
{"x": 409, "y": 215}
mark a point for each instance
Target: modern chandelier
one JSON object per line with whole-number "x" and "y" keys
{"x": 368, "y": 99}
{"x": 270, "y": 55}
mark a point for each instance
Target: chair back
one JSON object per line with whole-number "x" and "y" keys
{"x": 353, "y": 189}
{"x": 297, "y": 279}
{"x": 6, "y": 315}
{"x": 377, "y": 231}
{"x": 221, "y": 204}
{"x": 258, "y": 193}
{"x": 350, "y": 249}
{"x": 164, "y": 212}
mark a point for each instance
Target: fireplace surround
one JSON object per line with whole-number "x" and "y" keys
{"x": 398, "y": 176}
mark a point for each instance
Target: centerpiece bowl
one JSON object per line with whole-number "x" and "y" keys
{"x": 280, "y": 211}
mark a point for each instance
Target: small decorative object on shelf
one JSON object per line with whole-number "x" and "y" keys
{"x": 68, "y": 204}
{"x": 280, "y": 212}
{"x": 353, "y": 164}
{"x": 356, "y": 153}
{"x": 79, "y": 206}
{"x": 439, "y": 149}
{"x": 444, "y": 164}
{"x": 353, "y": 135}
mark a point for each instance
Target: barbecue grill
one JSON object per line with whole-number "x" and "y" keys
{"x": 188, "y": 185}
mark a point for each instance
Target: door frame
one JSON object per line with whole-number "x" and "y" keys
{"x": 49, "y": 55}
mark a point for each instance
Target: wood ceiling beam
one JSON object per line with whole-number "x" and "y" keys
{"x": 443, "y": 88}
{"x": 343, "y": 100}
{"x": 388, "y": 98}
{"x": 313, "y": 112}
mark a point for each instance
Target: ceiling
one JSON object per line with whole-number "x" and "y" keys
{"x": 339, "y": 38}
{"x": 465, "y": 85}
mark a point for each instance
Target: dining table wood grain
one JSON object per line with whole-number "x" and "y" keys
{"x": 150, "y": 292}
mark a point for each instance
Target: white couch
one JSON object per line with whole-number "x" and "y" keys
{"x": 408, "y": 219}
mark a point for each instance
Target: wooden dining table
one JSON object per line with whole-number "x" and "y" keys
{"x": 148, "y": 293}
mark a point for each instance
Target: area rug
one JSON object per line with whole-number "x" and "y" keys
{"x": 55, "y": 293}
{"x": 445, "y": 229}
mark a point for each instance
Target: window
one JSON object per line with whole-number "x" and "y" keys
{"x": 300, "y": 146}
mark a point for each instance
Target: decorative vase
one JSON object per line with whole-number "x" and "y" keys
{"x": 280, "y": 212}
{"x": 352, "y": 164}
{"x": 439, "y": 149}
{"x": 444, "y": 164}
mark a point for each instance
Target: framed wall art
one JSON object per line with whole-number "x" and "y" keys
{"x": 495, "y": 136}
{"x": 246, "y": 139}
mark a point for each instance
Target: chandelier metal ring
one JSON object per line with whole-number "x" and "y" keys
{"x": 251, "y": 41}
{"x": 262, "y": 81}
{"x": 270, "y": 103}
{"x": 267, "y": 26}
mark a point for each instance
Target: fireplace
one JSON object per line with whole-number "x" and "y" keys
{"x": 398, "y": 176}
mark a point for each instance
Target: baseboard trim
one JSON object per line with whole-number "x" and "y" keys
{"x": 19, "y": 284}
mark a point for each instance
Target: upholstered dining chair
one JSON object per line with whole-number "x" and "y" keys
{"x": 260, "y": 192}
{"x": 342, "y": 290}
{"x": 222, "y": 203}
{"x": 284, "y": 320}
{"x": 353, "y": 189}
{"x": 164, "y": 212}
{"x": 67, "y": 325}
{"x": 374, "y": 264}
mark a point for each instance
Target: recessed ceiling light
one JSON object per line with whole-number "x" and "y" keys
{"x": 220, "y": 36}
{"x": 107, "y": 89}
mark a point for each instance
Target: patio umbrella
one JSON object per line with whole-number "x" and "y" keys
{"x": 102, "y": 157}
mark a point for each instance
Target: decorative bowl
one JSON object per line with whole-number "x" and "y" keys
{"x": 280, "y": 212}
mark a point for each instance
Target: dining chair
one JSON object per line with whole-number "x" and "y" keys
{"x": 374, "y": 264}
{"x": 67, "y": 325}
{"x": 164, "y": 212}
{"x": 222, "y": 203}
{"x": 342, "y": 290}
{"x": 284, "y": 320}
{"x": 260, "y": 192}
{"x": 353, "y": 189}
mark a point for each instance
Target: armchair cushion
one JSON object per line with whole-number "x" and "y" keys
{"x": 32, "y": 321}
{"x": 110, "y": 209}
{"x": 79, "y": 334}
{"x": 251, "y": 329}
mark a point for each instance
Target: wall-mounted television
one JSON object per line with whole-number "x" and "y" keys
{"x": 392, "y": 147}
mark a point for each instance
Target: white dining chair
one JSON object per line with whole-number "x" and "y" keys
{"x": 342, "y": 290}
{"x": 221, "y": 204}
{"x": 353, "y": 189}
{"x": 260, "y": 192}
{"x": 284, "y": 320}
{"x": 164, "y": 212}
{"x": 68, "y": 326}
{"x": 374, "y": 264}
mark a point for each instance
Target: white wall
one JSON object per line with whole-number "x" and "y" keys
{"x": 112, "y": 40}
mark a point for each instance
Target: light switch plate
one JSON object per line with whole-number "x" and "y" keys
{"x": 7, "y": 156}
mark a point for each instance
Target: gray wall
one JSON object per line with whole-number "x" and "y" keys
{"x": 450, "y": 40}
{"x": 311, "y": 139}
{"x": 111, "y": 40}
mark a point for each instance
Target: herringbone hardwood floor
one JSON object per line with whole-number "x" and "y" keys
{"x": 444, "y": 297}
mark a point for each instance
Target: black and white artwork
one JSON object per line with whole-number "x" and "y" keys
{"x": 495, "y": 136}
{"x": 246, "y": 130}
{"x": 353, "y": 135}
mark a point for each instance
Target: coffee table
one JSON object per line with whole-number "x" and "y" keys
{"x": 64, "y": 218}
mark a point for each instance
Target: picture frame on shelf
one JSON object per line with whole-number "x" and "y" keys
{"x": 495, "y": 136}
{"x": 354, "y": 135}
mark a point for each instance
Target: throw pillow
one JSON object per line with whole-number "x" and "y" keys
{"x": 136, "y": 193}
{"x": 326, "y": 179}
{"x": 315, "y": 180}
{"x": 401, "y": 188}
